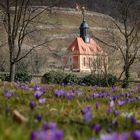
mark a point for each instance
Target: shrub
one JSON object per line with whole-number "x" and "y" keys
{"x": 88, "y": 80}
{"x": 58, "y": 77}
{"x": 21, "y": 76}
{"x": 55, "y": 77}
{"x": 99, "y": 80}
{"x": 71, "y": 78}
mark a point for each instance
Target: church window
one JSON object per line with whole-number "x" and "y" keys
{"x": 89, "y": 61}
{"x": 84, "y": 61}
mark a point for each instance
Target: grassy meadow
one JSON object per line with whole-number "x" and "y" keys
{"x": 80, "y": 112}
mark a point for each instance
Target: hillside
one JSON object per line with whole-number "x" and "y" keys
{"x": 61, "y": 26}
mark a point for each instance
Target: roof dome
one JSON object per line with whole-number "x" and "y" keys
{"x": 84, "y": 25}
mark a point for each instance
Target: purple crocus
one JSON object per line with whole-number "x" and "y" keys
{"x": 115, "y": 136}
{"x": 38, "y": 94}
{"x": 138, "y": 88}
{"x": 69, "y": 95}
{"x": 38, "y": 117}
{"x": 121, "y": 102}
{"x": 59, "y": 93}
{"x": 78, "y": 92}
{"x": 108, "y": 136}
{"x": 86, "y": 111}
{"x": 114, "y": 98}
{"x": 47, "y": 135}
{"x": 50, "y": 133}
{"x": 136, "y": 135}
{"x": 50, "y": 125}
{"x": 42, "y": 100}
{"x": 32, "y": 104}
{"x": 36, "y": 88}
{"x": 113, "y": 88}
{"x": 8, "y": 94}
{"x": 116, "y": 113}
{"x": 133, "y": 120}
{"x": 97, "y": 128}
{"x": 109, "y": 110}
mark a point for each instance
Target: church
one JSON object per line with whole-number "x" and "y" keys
{"x": 84, "y": 54}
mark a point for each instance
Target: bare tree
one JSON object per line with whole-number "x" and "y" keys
{"x": 18, "y": 15}
{"x": 130, "y": 35}
{"x": 126, "y": 38}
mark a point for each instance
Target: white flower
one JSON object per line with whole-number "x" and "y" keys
{"x": 127, "y": 115}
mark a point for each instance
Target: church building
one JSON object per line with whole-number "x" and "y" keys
{"x": 84, "y": 55}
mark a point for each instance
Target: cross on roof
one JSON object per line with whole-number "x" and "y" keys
{"x": 83, "y": 12}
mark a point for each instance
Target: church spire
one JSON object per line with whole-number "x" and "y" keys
{"x": 83, "y": 13}
{"x": 84, "y": 28}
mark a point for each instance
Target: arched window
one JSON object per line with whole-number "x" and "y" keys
{"x": 84, "y": 61}
{"x": 89, "y": 61}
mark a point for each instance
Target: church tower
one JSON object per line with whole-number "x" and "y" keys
{"x": 84, "y": 28}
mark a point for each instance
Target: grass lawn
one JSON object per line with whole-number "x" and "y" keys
{"x": 109, "y": 110}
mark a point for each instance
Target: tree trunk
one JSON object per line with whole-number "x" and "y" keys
{"x": 125, "y": 83}
{"x": 12, "y": 72}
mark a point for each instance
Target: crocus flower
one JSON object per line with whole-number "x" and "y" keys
{"x": 36, "y": 87}
{"x": 86, "y": 111}
{"x": 109, "y": 110}
{"x": 8, "y": 94}
{"x": 38, "y": 117}
{"x": 114, "y": 98}
{"x": 42, "y": 100}
{"x": 59, "y": 93}
{"x": 78, "y": 92}
{"x": 97, "y": 128}
{"x": 47, "y": 135}
{"x": 133, "y": 120}
{"x": 115, "y": 136}
{"x": 50, "y": 125}
{"x": 138, "y": 88}
{"x": 136, "y": 135}
{"x": 121, "y": 102}
{"x": 108, "y": 136}
{"x": 111, "y": 104}
{"x": 113, "y": 88}
{"x": 38, "y": 94}
{"x": 51, "y": 132}
{"x": 132, "y": 91}
{"x": 116, "y": 113}
{"x": 32, "y": 104}
{"x": 69, "y": 95}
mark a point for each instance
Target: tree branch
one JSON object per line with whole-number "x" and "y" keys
{"x": 32, "y": 50}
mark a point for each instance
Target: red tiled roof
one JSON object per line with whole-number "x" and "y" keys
{"x": 78, "y": 46}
